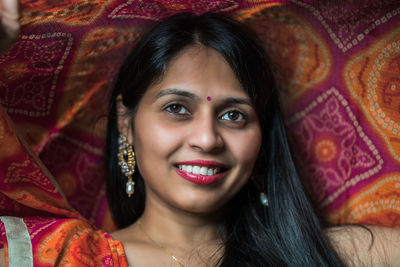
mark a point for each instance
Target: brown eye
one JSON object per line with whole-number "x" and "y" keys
{"x": 233, "y": 115}
{"x": 177, "y": 109}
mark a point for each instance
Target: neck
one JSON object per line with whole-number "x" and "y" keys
{"x": 180, "y": 228}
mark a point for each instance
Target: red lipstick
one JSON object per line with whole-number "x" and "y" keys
{"x": 198, "y": 178}
{"x": 201, "y": 162}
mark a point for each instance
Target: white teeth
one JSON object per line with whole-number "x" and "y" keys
{"x": 196, "y": 170}
{"x": 202, "y": 170}
{"x": 189, "y": 168}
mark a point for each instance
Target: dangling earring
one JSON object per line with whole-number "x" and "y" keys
{"x": 264, "y": 199}
{"x": 127, "y": 167}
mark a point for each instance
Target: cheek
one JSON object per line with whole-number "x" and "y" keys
{"x": 246, "y": 148}
{"x": 154, "y": 142}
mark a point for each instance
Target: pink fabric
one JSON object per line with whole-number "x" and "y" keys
{"x": 54, "y": 84}
{"x": 338, "y": 63}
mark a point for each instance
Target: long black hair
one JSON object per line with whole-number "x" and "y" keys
{"x": 286, "y": 233}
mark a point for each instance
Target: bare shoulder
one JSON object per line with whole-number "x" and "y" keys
{"x": 125, "y": 235}
{"x": 119, "y": 234}
{"x": 366, "y": 245}
{"x": 139, "y": 251}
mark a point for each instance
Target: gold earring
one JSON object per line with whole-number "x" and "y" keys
{"x": 125, "y": 151}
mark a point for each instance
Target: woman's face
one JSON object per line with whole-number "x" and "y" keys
{"x": 196, "y": 135}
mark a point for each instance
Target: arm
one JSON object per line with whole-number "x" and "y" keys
{"x": 369, "y": 246}
{"x": 9, "y": 24}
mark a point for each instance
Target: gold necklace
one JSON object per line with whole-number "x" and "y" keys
{"x": 159, "y": 245}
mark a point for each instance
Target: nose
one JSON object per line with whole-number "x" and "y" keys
{"x": 204, "y": 135}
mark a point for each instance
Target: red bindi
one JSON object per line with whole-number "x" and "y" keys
{"x": 208, "y": 98}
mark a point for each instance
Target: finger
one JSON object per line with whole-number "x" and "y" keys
{"x": 9, "y": 9}
{"x": 9, "y": 15}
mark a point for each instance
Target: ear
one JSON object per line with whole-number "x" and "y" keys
{"x": 124, "y": 120}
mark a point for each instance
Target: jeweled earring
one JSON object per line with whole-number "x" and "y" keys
{"x": 264, "y": 199}
{"x": 127, "y": 163}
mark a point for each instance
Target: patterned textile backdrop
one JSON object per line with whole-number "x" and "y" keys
{"x": 53, "y": 86}
{"x": 338, "y": 64}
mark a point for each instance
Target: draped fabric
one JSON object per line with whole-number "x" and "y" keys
{"x": 337, "y": 62}
{"x": 54, "y": 85}
{"x": 58, "y": 242}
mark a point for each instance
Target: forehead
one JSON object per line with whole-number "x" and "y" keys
{"x": 202, "y": 71}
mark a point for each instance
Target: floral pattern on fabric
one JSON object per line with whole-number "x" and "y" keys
{"x": 54, "y": 84}
{"x": 70, "y": 242}
{"x": 338, "y": 66}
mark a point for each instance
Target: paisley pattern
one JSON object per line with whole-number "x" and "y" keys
{"x": 155, "y": 10}
{"x": 338, "y": 67}
{"x": 336, "y": 152}
{"x": 349, "y": 23}
{"x": 72, "y": 13}
{"x": 379, "y": 202}
{"x": 69, "y": 242}
{"x": 302, "y": 57}
{"x": 53, "y": 84}
{"x": 44, "y": 55}
{"x": 374, "y": 81}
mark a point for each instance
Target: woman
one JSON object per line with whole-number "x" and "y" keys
{"x": 197, "y": 103}
{"x": 196, "y": 129}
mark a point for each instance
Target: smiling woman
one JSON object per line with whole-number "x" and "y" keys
{"x": 199, "y": 168}
{"x": 178, "y": 134}
{"x": 198, "y": 109}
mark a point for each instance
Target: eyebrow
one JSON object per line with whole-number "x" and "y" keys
{"x": 233, "y": 100}
{"x": 228, "y": 100}
{"x": 173, "y": 91}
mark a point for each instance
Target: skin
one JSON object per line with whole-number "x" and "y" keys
{"x": 357, "y": 248}
{"x": 182, "y": 215}
{"x": 9, "y": 24}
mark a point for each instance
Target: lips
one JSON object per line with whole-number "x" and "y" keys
{"x": 201, "y": 171}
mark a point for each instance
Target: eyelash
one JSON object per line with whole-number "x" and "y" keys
{"x": 168, "y": 109}
{"x": 240, "y": 114}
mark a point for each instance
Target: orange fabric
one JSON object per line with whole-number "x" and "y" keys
{"x": 54, "y": 84}
{"x": 70, "y": 242}
{"x": 338, "y": 66}
{"x": 26, "y": 187}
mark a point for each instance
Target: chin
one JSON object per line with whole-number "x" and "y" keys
{"x": 201, "y": 205}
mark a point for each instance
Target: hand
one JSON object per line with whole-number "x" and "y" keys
{"x": 9, "y": 24}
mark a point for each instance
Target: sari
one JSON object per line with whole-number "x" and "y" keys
{"x": 337, "y": 66}
{"x": 38, "y": 227}
{"x": 46, "y": 241}
{"x": 53, "y": 208}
